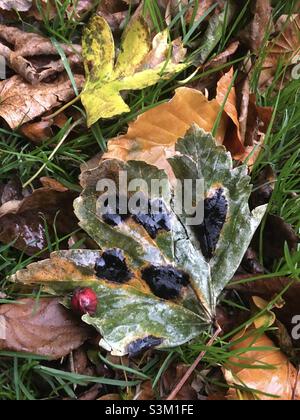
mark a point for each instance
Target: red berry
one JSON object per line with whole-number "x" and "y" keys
{"x": 84, "y": 301}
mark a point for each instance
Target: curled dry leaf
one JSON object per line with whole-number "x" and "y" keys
{"x": 283, "y": 49}
{"x": 22, "y": 102}
{"x": 268, "y": 289}
{"x": 41, "y": 327}
{"x": 255, "y": 33}
{"x": 24, "y": 220}
{"x": 217, "y": 23}
{"x": 42, "y": 130}
{"x": 276, "y": 233}
{"x": 262, "y": 370}
{"x": 32, "y": 55}
{"x": 19, "y": 5}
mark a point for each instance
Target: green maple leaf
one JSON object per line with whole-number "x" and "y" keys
{"x": 105, "y": 78}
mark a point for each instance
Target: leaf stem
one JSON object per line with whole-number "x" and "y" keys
{"x": 56, "y": 113}
{"x": 189, "y": 372}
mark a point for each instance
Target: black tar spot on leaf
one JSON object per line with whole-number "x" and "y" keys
{"x": 165, "y": 282}
{"x": 112, "y": 266}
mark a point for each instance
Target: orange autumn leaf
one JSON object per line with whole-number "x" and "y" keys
{"x": 152, "y": 137}
{"x": 226, "y": 96}
{"x": 267, "y": 371}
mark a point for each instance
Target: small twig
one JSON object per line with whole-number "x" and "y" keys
{"x": 189, "y": 372}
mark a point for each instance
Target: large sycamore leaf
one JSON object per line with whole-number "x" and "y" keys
{"x": 172, "y": 282}
{"x": 106, "y": 78}
{"x": 129, "y": 316}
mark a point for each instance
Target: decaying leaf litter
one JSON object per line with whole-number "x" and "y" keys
{"x": 178, "y": 91}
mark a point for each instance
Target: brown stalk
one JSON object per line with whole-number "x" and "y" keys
{"x": 189, "y": 372}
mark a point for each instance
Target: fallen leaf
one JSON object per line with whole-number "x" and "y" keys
{"x": 41, "y": 327}
{"x": 276, "y": 233}
{"x": 21, "y": 102}
{"x": 43, "y": 130}
{"x": 32, "y": 55}
{"x": 283, "y": 49}
{"x": 263, "y": 187}
{"x": 19, "y": 5}
{"x": 251, "y": 263}
{"x": 226, "y": 97}
{"x": 24, "y": 220}
{"x": 129, "y": 317}
{"x": 11, "y": 191}
{"x": 172, "y": 376}
{"x": 254, "y": 35}
{"x": 145, "y": 392}
{"x": 81, "y": 8}
{"x": 208, "y": 82}
{"x": 153, "y": 135}
{"x": 214, "y": 32}
{"x": 268, "y": 289}
{"x": 171, "y": 275}
{"x": 260, "y": 369}
{"x": 115, "y": 13}
{"x": 105, "y": 80}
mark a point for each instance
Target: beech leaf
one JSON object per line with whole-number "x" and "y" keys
{"x": 262, "y": 369}
{"x": 105, "y": 79}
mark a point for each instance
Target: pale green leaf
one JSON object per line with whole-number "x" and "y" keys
{"x": 126, "y": 313}
{"x": 201, "y": 158}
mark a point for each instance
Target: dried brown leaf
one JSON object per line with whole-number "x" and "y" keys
{"x": 284, "y": 48}
{"x": 44, "y": 328}
{"x": 33, "y": 56}
{"x": 254, "y": 34}
{"x": 22, "y": 102}
{"x": 172, "y": 376}
{"x": 19, "y": 5}
{"x": 24, "y": 221}
{"x": 42, "y": 130}
{"x": 268, "y": 289}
